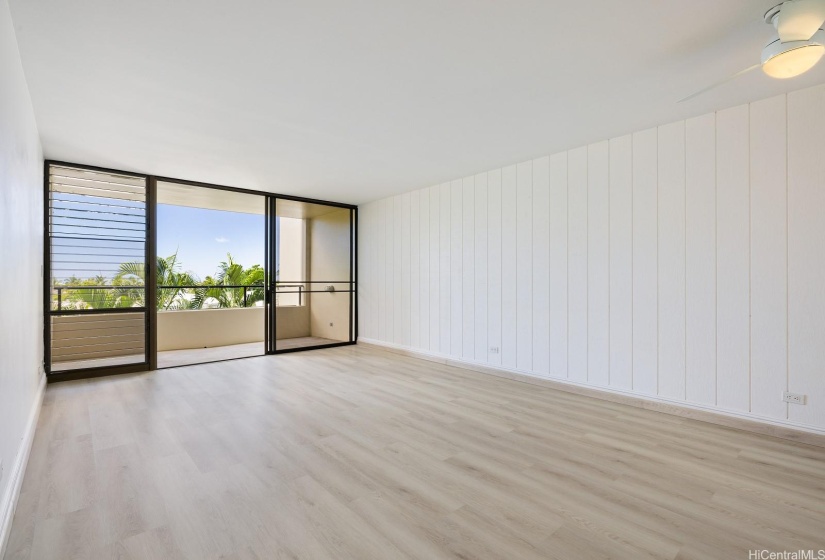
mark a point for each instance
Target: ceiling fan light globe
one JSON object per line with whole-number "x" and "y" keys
{"x": 792, "y": 58}
{"x": 794, "y": 62}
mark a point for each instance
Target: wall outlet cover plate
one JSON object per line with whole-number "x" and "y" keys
{"x": 793, "y": 398}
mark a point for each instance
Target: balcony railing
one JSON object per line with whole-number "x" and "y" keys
{"x": 128, "y": 296}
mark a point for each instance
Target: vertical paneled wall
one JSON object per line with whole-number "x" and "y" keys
{"x": 684, "y": 262}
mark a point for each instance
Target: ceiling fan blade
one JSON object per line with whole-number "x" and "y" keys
{"x": 720, "y": 82}
{"x": 798, "y": 20}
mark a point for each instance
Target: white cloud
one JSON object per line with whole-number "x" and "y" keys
{"x": 222, "y": 240}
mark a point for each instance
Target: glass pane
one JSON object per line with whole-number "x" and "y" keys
{"x": 313, "y": 296}
{"x": 97, "y": 246}
{"x": 211, "y": 281}
{"x": 97, "y": 226}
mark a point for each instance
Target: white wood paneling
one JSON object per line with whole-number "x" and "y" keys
{"x": 373, "y": 266}
{"x": 456, "y": 267}
{"x": 733, "y": 259}
{"x": 364, "y": 282}
{"x": 385, "y": 251}
{"x": 436, "y": 301}
{"x": 364, "y": 287}
{"x": 376, "y": 268}
{"x": 558, "y": 265}
{"x": 367, "y": 292}
{"x": 671, "y": 260}
{"x": 415, "y": 270}
{"x": 621, "y": 263}
{"x": 541, "y": 266}
{"x": 683, "y": 261}
{"x": 769, "y": 257}
{"x": 598, "y": 264}
{"x": 406, "y": 261}
{"x": 508, "y": 266}
{"x": 524, "y": 266}
{"x": 468, "y": 268}
{"x": 393, "y": 255}
{"x": 577, "y": 264}
{"x": 480, "y": 267}
{"x": 397, "y": 291}
{"x": 645, "y": 268}
{"x": 494, "y": 266}
{"x": 700, "y": 259}
{"x": 806, "y": 242}
{"x": 444, "y": 268}
{"x": 424, "y": 270}
{"x": 386, "y": 276}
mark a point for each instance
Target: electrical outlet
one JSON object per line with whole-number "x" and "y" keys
{"x": 793, "y": 398}
{"x": 493, "y": 349}
{"x": 330, "y": 324}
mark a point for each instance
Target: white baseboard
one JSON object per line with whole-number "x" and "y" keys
{"x": 733, "y": 419}
{"x": 18, "y": 469}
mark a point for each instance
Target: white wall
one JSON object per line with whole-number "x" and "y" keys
{"x": 329, "y": 250}
{"x": 21, "y": 254}
{"x": 292, "y": 253}
{"x": 685, "y": 263}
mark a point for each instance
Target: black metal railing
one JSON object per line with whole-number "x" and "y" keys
{"x": 61, "y": 289}
{"x": 300, "y": 292}
{"x": 247, "y": 288}
{"x": 220, "y": 287}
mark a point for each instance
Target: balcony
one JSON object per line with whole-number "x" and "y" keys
{"x": 195, "y": 324}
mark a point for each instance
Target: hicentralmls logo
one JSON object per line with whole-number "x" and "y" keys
{"x": 786, "y": 555}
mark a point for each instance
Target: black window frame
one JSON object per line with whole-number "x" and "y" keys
{"x": 150, "y": 363}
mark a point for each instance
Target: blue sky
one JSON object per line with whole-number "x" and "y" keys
{"x": 202, "y": 238}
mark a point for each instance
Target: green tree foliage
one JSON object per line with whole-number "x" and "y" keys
{"x": 126, "y": 289}
{"x": 171, "y": 282}
{"x": 231, "y": 273}
{"x": 96, "y": 293}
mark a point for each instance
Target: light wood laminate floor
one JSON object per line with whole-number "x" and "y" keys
{"x": 357, "y": 453}
{"x": 175, "y": 358}
{"x": 302, "y": 342}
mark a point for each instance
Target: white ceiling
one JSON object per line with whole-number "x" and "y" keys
{"x": 355, "y": 100}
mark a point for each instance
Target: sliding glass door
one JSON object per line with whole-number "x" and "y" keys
{"x": 312, "y": 301}
{"x": 144, "y": 272}
{"x": 211, "y": 276}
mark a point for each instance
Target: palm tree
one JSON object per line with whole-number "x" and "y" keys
{"x": 132, "y": 274}
{"x": 88, "y": 294}
{"x": 231, "y": 273}
{"x": 129, "y": 288}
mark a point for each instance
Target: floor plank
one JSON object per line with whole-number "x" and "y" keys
{"x": 190, "y": 356}
{"x": 355, "y": 452}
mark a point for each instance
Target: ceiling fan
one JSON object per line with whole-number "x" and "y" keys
{"x": 796, "y": 47}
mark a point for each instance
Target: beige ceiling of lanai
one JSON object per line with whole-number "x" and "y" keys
{"x": 356, "y": 100}
{"x": 212, "y": 199}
